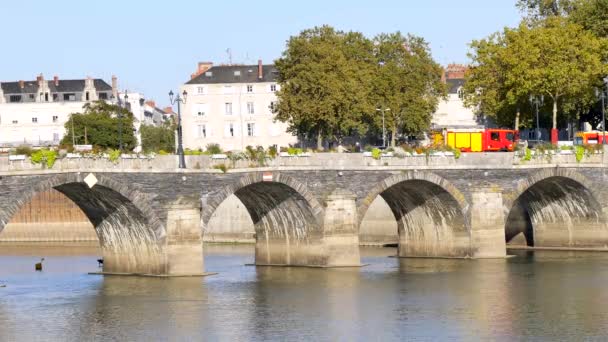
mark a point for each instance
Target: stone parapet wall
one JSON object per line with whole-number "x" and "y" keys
{"x": 315, "y": 160}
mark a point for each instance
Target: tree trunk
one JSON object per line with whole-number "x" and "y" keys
{"x": 555, "y": 113}
{"x": 393, "y": 131}
{"x": 320, "y": 140}
{"x": 517, "y": 120}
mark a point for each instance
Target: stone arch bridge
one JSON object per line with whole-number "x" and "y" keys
{"x": 152, "y": 222}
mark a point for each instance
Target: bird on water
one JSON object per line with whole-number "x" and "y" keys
{"x": 38, "y": 266}
{"x": 100, "y": 262}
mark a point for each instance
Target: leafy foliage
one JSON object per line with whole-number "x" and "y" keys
{"x": 407, "y": 81}
{"x": 154, "y": 139}
{"x": 333, "y": 81}
{"x": 213, "y": 149}
{"x": 45, "y": 157}
{"x": 101, "y": 120}
{"x": 114, "y": 155}
{"x": 554, "y": 58}
{"x": 324, "y": 76}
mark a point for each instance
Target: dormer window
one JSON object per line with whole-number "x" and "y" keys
{"x": 249, "y": 88}
{"x": 237, "y": 73}
{"x": 208, "y": 73}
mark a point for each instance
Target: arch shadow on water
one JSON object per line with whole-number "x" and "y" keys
{"x": 431, "y": 214}
{"x": 555, "y": 208}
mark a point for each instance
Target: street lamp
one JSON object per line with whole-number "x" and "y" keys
{"x": 383, "y": 126}
{"x": 120, "y": 121}
{"x": 537, "y": 101}
{"x": 180, "y": 149}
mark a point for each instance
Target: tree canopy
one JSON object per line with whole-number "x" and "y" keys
{"x": 324, "y": 75}
{"x": 592, "y": 15}
{"x": 333, "y": 81}
{"x": 156, "y": 138}
{"x": 98, "y": 125}
{"x": 555, "y": 58}
{"x": 407, "y": 81}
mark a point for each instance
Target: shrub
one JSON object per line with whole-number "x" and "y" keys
{"x": 579, "y": 153}
{"x": 213, "y": 149}
{"x": 294, "y": 151}
{"x": 457, "y": 153}
{"x": 376, "y": 153}
{"x": 114, "y": 156}
{"x": 24, "y": 149}
{"x": 45, "y": 157}
{"x": 368, "y": 148}
{"x": 163, "y": 152}
{"x": 221, "y": 167}
{"x": 272, "y": 151}
{"x": 528, "y": 154}
{"x": 189, "y": 152}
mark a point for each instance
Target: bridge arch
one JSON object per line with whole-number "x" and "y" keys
{"x": 287, "y": 218}
{"x": 431, "y": 214}
{"x": 129, "y": 231}
{"x": 555, "y": 207}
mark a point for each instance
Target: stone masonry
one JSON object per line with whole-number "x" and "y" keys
{"x": 153, "y": 222}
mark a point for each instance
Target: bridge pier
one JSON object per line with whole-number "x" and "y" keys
{"x": 487, "y": 224}
{"x": 341, "y": 234}
{"x": 184, "y": 242}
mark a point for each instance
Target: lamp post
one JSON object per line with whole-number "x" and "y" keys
{"x": 537, "y": 101}
{"x": 126, "y": 97}
{"x": 180, "y": 149}
{"x": 383, "y": 126}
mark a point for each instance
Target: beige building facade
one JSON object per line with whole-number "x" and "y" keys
{"x": 35, "y": 112}
{"x": 232, "y": 105}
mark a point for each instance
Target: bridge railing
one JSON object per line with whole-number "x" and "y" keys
{"x": 316, "y": 160}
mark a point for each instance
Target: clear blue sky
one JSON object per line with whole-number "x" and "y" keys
{"x": 153, "y": 46}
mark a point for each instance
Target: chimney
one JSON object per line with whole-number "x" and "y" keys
{"x": 260, "y": 69}
{"x": 151, "y": 104}
{"x": 21, "y": 84}
{"x": 168, "y": 110}
{"x": 201, "y": 68}
{"x": 115, "y": 86}
{"x": 39, "y": 78}
{"x": 56, "y": 80}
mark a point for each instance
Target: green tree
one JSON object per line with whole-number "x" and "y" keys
{"x": 541, "y": 9}
{"x": 156, "y": 138}
{"x": 592, "y": 15}
{"x": 98, "y": 125}
{"x": 408, "y": 81}
{"x": 554, "y": 58}
{"x": 324, "y": 76}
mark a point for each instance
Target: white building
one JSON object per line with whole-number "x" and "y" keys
{"x": 231, "y": 105}
{"x": 35, "y": 112}
{"x": 451, "y": 113}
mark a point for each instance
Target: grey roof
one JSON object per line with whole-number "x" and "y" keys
{"x": 64, "y": 86}
{"x": 225, "y": 74}
{"x": 454, "y": 84}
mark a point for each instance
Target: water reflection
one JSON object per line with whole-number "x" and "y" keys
{"x": 546, "y": 295}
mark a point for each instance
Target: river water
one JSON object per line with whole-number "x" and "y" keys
{"x": 534, "y": 295}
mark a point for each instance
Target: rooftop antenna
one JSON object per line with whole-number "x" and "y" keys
{"x": 229, "y": 52}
